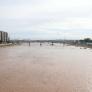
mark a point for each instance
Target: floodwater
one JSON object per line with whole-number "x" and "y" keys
{"x": 45, "y": 68}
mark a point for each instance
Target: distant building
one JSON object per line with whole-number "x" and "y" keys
{"x": 4, "y": 37}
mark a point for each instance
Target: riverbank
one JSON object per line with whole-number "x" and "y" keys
{"x": 85, "y": 46}
{"x": 7, "y": 44}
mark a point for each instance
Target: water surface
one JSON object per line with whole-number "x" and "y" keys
{"x": 45, "y": 68}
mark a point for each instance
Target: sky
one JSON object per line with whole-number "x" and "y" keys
{"x": 46, "y": 19}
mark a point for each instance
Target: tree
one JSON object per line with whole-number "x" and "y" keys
{"x": 87, "y": 40}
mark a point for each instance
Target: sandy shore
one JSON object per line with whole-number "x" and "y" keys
{"x": 45, "y": 69}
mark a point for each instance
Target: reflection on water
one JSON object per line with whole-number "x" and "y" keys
{"x": 45, "y": 68}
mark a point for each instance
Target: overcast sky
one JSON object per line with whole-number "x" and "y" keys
{"x": 46, "y": 19}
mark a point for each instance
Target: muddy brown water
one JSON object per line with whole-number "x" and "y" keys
{"x": 45, "y": 69}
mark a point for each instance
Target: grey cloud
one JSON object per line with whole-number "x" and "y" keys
{"x": 45, "y": 19}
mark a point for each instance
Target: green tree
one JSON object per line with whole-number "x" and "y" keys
{"x": 87, "y": 40}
